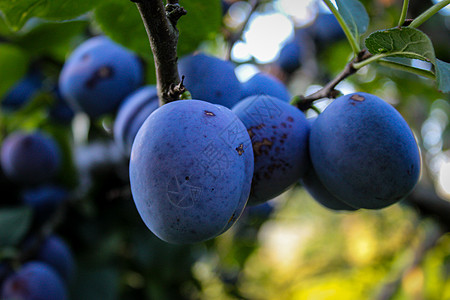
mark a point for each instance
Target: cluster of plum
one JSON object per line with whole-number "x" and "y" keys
{"x": 194, "y": 165}
{"x": 31, "y": 160}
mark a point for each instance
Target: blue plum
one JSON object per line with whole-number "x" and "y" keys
{"x": 279, "y": 134}
{"x": 34, "y": 281}
{"x": 98, "y": 75}
{"x": 326, "y": 30}
{"x": 30, "y": 158}
{"x": 290, "y": 57}
{"x": 190, "y": 170}
{"x": 210, "y": 79}
{"x": 44, "y": 199}
{"x": 55, "y": 252}
{"x": 265, "y": 84}
{"x": 320, "y": 193}
{"x": 364, "y": 152}
{"x": 131, "y": 115}
{"x": 292, "y": 53}
{"x": 22, "y": 91}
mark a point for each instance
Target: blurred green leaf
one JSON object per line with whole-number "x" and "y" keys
{"x": 355, "y": 16}
{"x": 96, "y": 283}
{"x": 45, "y": 37}
{"x": 443, "y": 75}
{"x": 122, "y": 22}
{"x": 13, "y": 66}
{"x": 18, "y": 12}
{"x": 14, "y": 224}
{"x": 201, "y": 23}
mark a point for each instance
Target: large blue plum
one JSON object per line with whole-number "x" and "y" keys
{"x": 98, "y": 75}
{"x": 131, "y": 115}
{"x": 265, "y": 84}
{"x": 30, "y": 158}
{"x": 320, "y": 193}
{"x": 364, "y": 152}
{"x": 210, "y": 79}
{"x": 190, "y": 170}
{"x": 34, "y": 281}
{"x": 279, "y": 133}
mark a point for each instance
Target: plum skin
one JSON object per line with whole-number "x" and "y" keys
{"x": 364, "y": 151}
{"x": 30, "y": 158}
{"x": 210, "y": 79}
{"x": 279, "y": 133}
{"x": 191, "y": 180}
{"x": 133, "y": 111}
{"x": 265, "y": 84}
{"x": 98, "y": 75}
{"x": 34, "y": 281}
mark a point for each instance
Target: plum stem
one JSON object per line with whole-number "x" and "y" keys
{"x": 160, "y": 24}
{"x": 329, "y": 90}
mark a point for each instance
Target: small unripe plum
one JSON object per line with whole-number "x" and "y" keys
{"x": 98, "y": 75}
{"x": 30, "y": 158}
{"x": 364, "y": 152}
{"x": 279, "y": 134}
{"x": 265, "y": 84}
{"x": 210, "y": 79}
{"x": 190, "y": 170}
{"x": 34, "y": 281}
{"x": 132, "y": 113}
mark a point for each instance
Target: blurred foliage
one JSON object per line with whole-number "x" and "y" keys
{"x": 300, "y": 251}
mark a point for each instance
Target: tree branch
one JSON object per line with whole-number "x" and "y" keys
{"x": 160, "y": 24}
{"x": 236, "y": 36}
{"x": 329, "y": 91}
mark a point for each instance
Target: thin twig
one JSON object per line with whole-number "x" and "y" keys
{"x": 329, "y": 91}
{"x": 236, "y": 36}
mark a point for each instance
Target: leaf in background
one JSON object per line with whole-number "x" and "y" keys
{"x": 122, "y": 22}
{"x": 14, "y": 224}
{"x": 18, "y": 12}
{"x": 403, "y": 42}
{"x": 13, "y": 66}
{"x": 443, "y": 75}
{"x": 50, "y": 37}
{"x": 201, "y": 23}
{"x": 95, "y": 283}
{"x": 355, "y": 16}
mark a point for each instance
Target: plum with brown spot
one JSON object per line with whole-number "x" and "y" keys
{"x": 364, "y": 152}
{"x": 279, "y": 134}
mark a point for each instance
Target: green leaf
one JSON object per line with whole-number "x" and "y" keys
{"x": 13, "y": 66}
{"x": 121, "y": 21}
{"x": 18, "y": 12}
{"x": 50, "y": 37}
{"x": 443, "y": 75}
{"x": 14, "y": 224}
{"x": 409, "y": 43}
{"x": 355, "y": 16}
{"x": 202, "y": 22}
{"x": 403, "y": 42}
